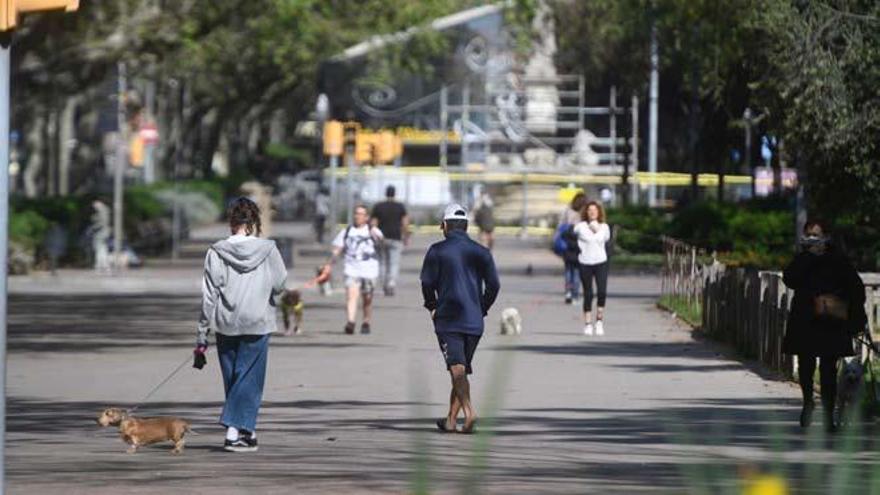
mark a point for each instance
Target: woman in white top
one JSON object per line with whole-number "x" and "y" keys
{"x": 592, "y": 233}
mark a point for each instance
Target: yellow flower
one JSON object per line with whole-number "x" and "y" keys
{"x": 766, "y": 484}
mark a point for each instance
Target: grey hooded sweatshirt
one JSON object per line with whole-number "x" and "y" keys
{"x": 242, "y": 277}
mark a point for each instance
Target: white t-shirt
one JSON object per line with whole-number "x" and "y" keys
{"x": 592, "y": 244}
{"x": 359, "y": 250}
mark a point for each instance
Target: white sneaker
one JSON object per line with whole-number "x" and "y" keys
{"x": 600, "y": 329}
{"x": 588, "y": 329}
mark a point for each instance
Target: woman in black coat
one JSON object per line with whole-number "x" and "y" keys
{"x": 827, "y": 310}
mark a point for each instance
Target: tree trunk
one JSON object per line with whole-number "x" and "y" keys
{"x": 35, "y": 144}
{"x": 66, "y": 136}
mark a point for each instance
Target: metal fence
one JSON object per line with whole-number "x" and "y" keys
{"x": 745, "y": 308}
{"x": 522, "y": 199}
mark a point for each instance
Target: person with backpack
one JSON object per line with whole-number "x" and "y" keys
{"x": 566, "y": 246}
{"x": 359, "y": 243}
{"x": 243, "y": 276}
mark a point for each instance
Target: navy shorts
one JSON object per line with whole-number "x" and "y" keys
{"x": 458, "y": 348}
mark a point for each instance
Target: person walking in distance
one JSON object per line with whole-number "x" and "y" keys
{"x": 322, "y": 212}
{"x": 570, "y": 251}
{"x": 827, "y": 310}
{"x": 359, "y": 243}
{"x": 484, "y": 217}
{"x": 592, "y": 234}
{"x": 243, "y": 276}
{"x": 391, "y": 218}
{"x": 459, "y": 285}
{"x": 100, "y": 230}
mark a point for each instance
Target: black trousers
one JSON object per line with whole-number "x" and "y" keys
{"x": 600, "y": 273}
{"x": 827, "y": 377}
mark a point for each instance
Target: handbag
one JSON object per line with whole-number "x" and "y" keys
{"x": 831, "y": 306}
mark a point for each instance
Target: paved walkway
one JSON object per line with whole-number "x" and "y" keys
{"x": 626, "y": 413}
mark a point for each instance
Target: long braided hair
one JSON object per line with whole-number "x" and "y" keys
{"x": 243, "y": 211}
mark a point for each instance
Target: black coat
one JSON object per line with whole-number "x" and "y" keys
{"x": 809, "y": 276}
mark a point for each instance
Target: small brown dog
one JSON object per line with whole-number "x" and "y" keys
{"x": 137, "y": 432}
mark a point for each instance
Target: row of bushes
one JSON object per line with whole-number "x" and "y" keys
{"x": 146, "y": 222}
{"x": 754, "y": 234}
{"x": 758, "y": 234}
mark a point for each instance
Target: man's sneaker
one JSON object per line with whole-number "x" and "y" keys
{"x": 349, "y": 328}
{"x": 588, "y": 329}
{"x": 243, "y": 444}
{"x": 365, "y": 329}
{"x": 568, "y": 298}
{"x": 600, "y": 328}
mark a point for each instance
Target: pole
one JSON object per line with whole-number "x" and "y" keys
{"x": 634, "y": 157}
{"x": 150, "y": 148}
{"x": 178, "y": 155}
{"x": 121, "y": 163}
{"x": 613, "y": 125}
{"x": 334, "y": 211}
{"x": 349, "y": 180}
{"x": 465, "y": 116}
{"x": 525, "y": 204}
{"x": 4, "y": 243}
{"x": 444, "y": 125}
{"x": 581, "y": 92}
{"x": 652, "y": 116}
{"x": 747, "y": 117}
{"x": 800, "y": 203}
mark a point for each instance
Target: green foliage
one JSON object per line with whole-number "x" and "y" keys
{"x": 746, "y": 235}
{"x": 810, "y": 70}
{"x": 690, "y": 312}
{"x": 28, "y": 228}
{"x": 755, "y": 234}
{"x": 281, "y": 151}
{"x": 638, "y": 229}
{"x": 141, "y": 204}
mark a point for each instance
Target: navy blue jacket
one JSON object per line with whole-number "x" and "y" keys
{"x": 459, "y": 281}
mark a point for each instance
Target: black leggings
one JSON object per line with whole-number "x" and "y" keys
{"x": 827, "y": 377}
{"x": 600, "y": 272}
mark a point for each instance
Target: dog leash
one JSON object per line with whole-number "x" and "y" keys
{"x": 163, "y": 382}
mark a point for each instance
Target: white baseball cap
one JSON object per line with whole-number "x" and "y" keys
{"x": 455, "y": 212}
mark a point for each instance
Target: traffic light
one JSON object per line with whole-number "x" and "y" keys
{"x": 10, "y": 9}
{"x": 385, "y": 145}
{"x": 333, "y": 138}
{"x": 363, "y": 147}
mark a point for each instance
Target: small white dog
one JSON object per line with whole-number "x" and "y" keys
{"x": 511, "y": 322}
{"x": 850, "y": 386}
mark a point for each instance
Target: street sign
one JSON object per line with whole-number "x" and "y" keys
{"x": 149, "y": 133}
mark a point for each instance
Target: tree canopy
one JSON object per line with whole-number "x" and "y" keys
{"x": 810, "y": 68}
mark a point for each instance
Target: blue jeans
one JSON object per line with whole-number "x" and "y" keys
{"x": 572, "y": 279}
{"x": 243, "y": 364}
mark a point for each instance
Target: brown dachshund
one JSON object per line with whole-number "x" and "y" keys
{"x": 137, "y": 432}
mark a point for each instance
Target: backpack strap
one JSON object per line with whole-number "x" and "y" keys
{"x": 345, "y": 239}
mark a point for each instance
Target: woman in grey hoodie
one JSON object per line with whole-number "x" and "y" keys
{"x": 243, "y": 276}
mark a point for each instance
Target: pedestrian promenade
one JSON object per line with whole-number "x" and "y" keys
{"x": 634, "y": 411}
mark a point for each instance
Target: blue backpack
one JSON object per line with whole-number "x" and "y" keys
{"x": 560, "y": 246}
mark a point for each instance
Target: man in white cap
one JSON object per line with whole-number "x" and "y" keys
{"x": 459, "y": 284}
